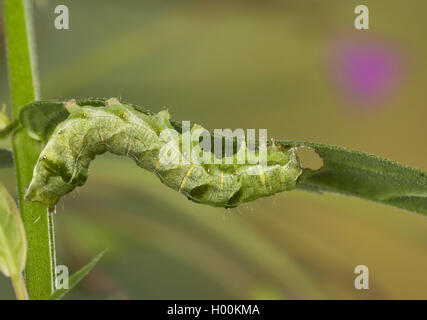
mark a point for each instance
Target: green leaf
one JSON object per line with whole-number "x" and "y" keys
{"x": 6, "y": 158}
{"x": 4, "y": 119}
{"x": 6, "y": 127}
{"x": 359, "y": 174}
{"x": 40, "y": 118}
{"x": 13, "y": 245}
{"x": 77, "y": 277}
{"x": 9, "y": 129}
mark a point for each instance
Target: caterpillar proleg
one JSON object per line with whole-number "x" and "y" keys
{"x": 149, "y": 139}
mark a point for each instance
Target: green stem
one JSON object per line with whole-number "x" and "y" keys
{"x": 19, "y": 287}
{"x": 24, "y": 89}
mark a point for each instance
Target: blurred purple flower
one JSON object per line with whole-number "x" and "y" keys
{"x": 367, "y": 71}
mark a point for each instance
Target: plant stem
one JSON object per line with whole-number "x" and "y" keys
{"x": 24, "y": 89}
{"x": 19, "y": 287}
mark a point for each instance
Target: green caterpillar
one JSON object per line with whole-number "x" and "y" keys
{"x": 124, "y": 130}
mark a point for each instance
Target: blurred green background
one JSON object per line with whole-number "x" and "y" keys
{"x": 238, "y": 64}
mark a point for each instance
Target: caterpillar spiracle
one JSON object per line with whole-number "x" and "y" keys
{"x": 124, "y": 130}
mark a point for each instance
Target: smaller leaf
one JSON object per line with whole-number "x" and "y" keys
{"x": 41, "y": 117}
{"x": 6, "y": 127}
{"x": 77, "y": 277}
{"x": 4, "y": 119}
{"x": 9, "y": 129}
{"x": 13, "y": 245}
{"x": 6, "y": 158}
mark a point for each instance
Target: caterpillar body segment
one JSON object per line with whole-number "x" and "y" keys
{"x": 149, "y": 139}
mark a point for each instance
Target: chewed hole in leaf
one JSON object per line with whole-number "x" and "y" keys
{"x": 309, "y": 158}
